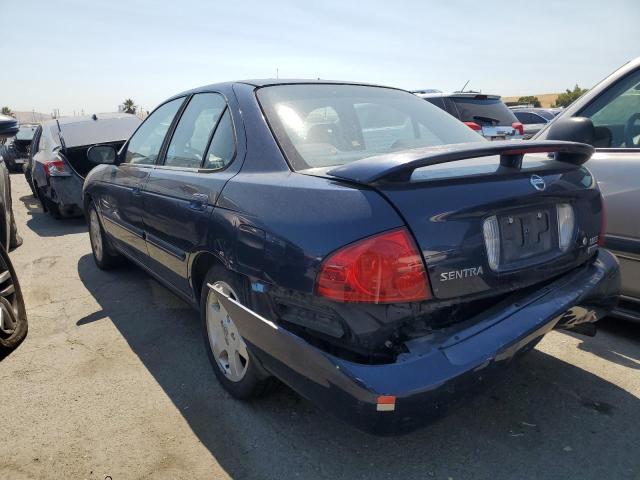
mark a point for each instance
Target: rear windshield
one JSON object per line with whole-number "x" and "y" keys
{"x": 26, "y": 133}
{"x": 322, "y": 125}
{"x": 484, "y": 111}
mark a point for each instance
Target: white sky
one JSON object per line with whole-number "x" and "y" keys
{"x": 91, "y": 55}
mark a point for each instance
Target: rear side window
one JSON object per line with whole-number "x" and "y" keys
{"x": 528, "y": 118}
{"x": 437, "y": 101}
{"x": 483, "y": 111}
{"x": 223, "y": 144}
{"x": 191, "y": 136}
{"x": 144, "y": 146}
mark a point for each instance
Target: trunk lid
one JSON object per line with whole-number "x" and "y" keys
{"x": 447, "y": 201}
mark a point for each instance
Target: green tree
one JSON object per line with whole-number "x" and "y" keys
{"x": 129, "y": 106}
{"x": 567, "y": 98}
{"x": 8, "y": 111}
{"x": 529, "y": 100}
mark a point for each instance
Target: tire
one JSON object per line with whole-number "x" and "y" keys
{"x": 15, "y": 240}
{"x": 104, "y": 255}
{"x": 13, "y": 317}
{"x": 254, "y": 381}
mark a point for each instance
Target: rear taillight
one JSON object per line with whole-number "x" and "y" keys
{"x": 519, "y": 127}
{"x": 603, "y": 222}
{"x": 384, "y": 268}
{"x": 56, "y": 168}
{"x": 473, "y": 126}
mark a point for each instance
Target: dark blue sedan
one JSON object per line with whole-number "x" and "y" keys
{"x": 353, "y": 241}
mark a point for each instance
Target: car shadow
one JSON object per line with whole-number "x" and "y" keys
{"x": 548, "y": 418}
{"x": 617, "y": 341}
{"x": 45, "y": 225}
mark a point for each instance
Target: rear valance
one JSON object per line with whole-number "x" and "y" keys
{"x": 399, "y": 166}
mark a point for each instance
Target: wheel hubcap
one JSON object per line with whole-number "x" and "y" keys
{"x": 9, "y": 311}
{"x": 228, "y": 347}
{"x": 96, "y": 238}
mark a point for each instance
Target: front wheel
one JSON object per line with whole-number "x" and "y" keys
{"x": 234, "y": 365}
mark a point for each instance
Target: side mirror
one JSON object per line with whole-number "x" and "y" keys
{"x": 102, "y": 154}
{"x": 572, "y": 129}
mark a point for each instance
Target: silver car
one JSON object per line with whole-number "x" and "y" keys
{"x": 608, "y": 117}
{"x": 532, "y": 119}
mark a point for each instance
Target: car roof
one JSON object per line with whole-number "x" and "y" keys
{"x": 267, "y": 82}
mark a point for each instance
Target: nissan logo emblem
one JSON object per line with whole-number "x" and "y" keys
{"x": 538, "y": 182}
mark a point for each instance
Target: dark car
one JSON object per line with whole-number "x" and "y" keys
{"x": 608, "y": 117}
{"x": 332, "y": 238}
{"x": 58, "y": 162}
{"x": 485, "y": 114}
{"x": 16, "y": 151}
{"x": 533, "y": 119}
{"x": 9, "y": 237}
{"x": 13, "y": 316}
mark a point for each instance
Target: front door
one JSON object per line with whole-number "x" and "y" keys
{"x": 182, "y": 190}
{"x": 616, "y": 166}
{"x": 120, "y": 201}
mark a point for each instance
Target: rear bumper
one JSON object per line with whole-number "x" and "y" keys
{"x": 439, "y": 371}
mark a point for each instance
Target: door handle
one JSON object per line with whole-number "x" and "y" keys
{"x": 137, "y": 189}
{"x": 198, "y": 201}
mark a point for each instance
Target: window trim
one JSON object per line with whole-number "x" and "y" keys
{"x": 123, "y": 151}
{"x": 162, "y": 156}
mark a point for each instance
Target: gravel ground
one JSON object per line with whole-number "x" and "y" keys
{"x": 113, "y": 380}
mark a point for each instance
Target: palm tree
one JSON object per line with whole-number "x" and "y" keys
{"x": 129, "y": 106}
{"x": 7, "y": 111}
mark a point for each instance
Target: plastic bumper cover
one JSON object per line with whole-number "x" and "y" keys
{"x": 439, "y": 371}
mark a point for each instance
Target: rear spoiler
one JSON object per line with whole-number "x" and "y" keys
{"x": 399, "y": 166}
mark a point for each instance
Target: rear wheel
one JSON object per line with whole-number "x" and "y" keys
{"x": 234, "y": 365}
{"x": 13, "y": 318}
{"x": 103, "y": 254}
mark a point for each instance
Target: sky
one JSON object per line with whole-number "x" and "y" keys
{"x": 89, "y": 55}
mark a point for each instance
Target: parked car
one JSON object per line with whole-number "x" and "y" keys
{"x": 332, "y": 238}
{"x": 59, "y": 163}
{"x": 13, "y": 317}
{"x": 608, "y": 117}
{"x": 532, "y": 119}
{"x": 9, "y": 238}
{"x": 485, "y": 114}
{"x": 16, "y": 151}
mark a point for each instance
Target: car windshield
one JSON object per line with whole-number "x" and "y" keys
{"x": 320, "y": 125}
{"x": 483, "y": 110}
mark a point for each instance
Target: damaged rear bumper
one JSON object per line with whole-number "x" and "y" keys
{"x": 440, "y": 370}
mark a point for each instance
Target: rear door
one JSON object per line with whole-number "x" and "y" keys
{"x": 121, "y": 201}
{"x": 181, "y": 192}
{"x": 616, "y": 166}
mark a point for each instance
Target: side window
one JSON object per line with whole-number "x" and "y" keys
{"x": 223, "y": 145}
{"x": 437, "y": 101}
{"x": 192, "y": 134}
{"x": 527, "y": 118}
{"x": 616, "y": 114}
{"x": 145, "y": 144}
